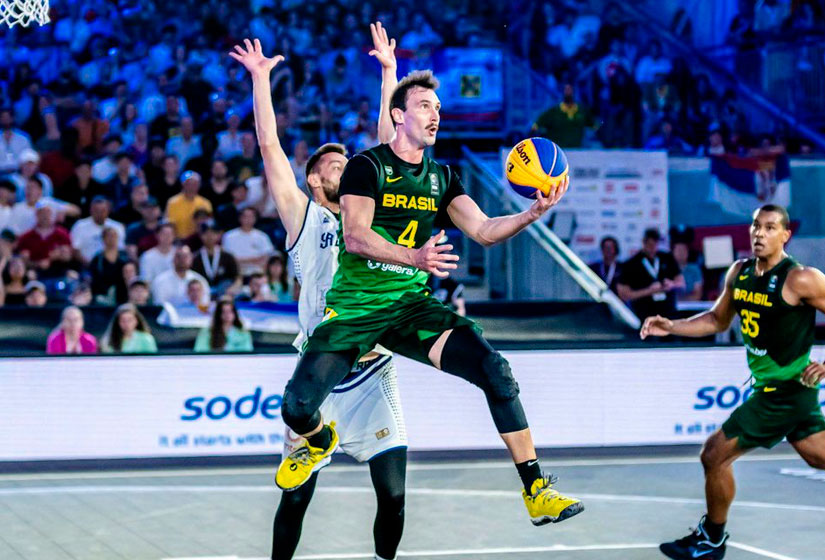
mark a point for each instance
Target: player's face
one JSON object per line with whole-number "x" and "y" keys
{"x": 421, "y": 119}
{"x": 329, "y": 169}
{"x": 768, "y": 235}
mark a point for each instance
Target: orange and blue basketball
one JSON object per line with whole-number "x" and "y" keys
{"x": 536, "y": 164}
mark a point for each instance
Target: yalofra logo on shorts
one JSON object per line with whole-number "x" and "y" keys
{"x": 386, "y": 267}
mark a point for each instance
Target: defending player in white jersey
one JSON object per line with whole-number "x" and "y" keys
{"x": 366, "y": 404}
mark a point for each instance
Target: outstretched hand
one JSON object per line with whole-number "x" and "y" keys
{"x": 383, "y": 46}
{"x": 656, "y": 326}
{"x": 435, "y": 259}
{"x": 545, "y": 203}
{"x": 253, "y": 59}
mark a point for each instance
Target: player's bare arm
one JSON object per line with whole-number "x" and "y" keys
{"x": 487, "y": 231}
{"x": 384, "y": 51}
{"x": 289, "y": 199}
{"x": 717, "y": 319}
{"x": 357, "y": 213}
{"x": 806, "y": 285}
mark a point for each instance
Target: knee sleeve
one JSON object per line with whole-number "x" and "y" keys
{"x": 500, "y": 383}
{"x": 298, "y": 412}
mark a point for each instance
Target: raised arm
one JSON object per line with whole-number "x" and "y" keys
{"x": 487, "y": 231}
{"x": 384, "y": 51}
{"x": 717, "y": 319}
{"x": 289, "y": 199}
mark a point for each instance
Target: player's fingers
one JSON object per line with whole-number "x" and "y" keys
{"x": 277, "y": 59}
{"x": 240, "y": 50}
{"x": 236, "y": 57}
{"x": 431, "y": 241}
{"x": 373, "y": 53}
{"x": 392, "y": 44}
{"x": 248, "y": 44}
{"x": 374, "y": 33}
{"x": 442, "y": 248}
{"x": 446, "y": 257}
{"x": 447, "y": 266}
{"x": 439, "y": 274}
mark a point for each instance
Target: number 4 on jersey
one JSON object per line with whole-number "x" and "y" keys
{"x": 407, "y": 237}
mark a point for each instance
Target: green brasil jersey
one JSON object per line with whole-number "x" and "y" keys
{"x": 407, "y": 200}
{"x": 778, "y": 336}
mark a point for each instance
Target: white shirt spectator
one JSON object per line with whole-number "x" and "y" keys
{"x": 87, "y": 236}
{"x": 5, "y": 217}
{"x": 247, "y": 245}
{"x": 184, "y": 149}
{"x": 256, "y": 193}
{"x": 10, "y": 149}
{"x": 104, "y": 170}
{"x": 20, "y": 184}
{"x": 153, "y": 263}
{"x": 229, "y": 144}
{"x": 648, "y": 68}
{"x": 24, "y": 217}
{"x": 168, "y": 287}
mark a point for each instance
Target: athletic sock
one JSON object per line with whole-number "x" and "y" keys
{"x": 714, "y": 530}
{"x": 322, "y": 439}
{"x": 529, "y": 471}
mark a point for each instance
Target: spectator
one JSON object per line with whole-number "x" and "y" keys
{"x": 81, "y": 188}
{"x": 13, "y": 142}
{"x": 105, "y": 168}
{"x": 14, "y": 279}
{"x": 227, "y": 216}
{"x": 565, "y": 122}
{"x": 91, "y": 129}
{"x": 160, "y": 258}
{"x": 650, "y": 278}
{"x": 298, "y": 163}
{"x": 120, "y": 186}
{"x": 218, "y": 189}
{"x": 81, "y": 296}
{"x": 142, "y": 236}
{"x": 46, "y": 247}
{"x": 8, "y": 196}
{"x": 171, "y": 286}
{"x": 69, "y": 337}
{"x": 170, "y": 184}
{"x": 29, "y": 167}
{"x": 653, "y": 65}
{"x": 278, "y": 279}
{"x": 257, "y": 290}
{"x": 194, "y": 242}
{"x": 694, "y": 283}
{"x": 248, "y": 163}
{"x": 181, "y": 208}
{"x": 51, "y": 139}
{"x": 715, "y": 145}
{"x": 138, "y": 147}
{"x": 130, "y": 212}
{"x": 23, "y": 214}
{"x": 226, "y": 333}
{"x": 87, "y": 234}
{"x": 108, "y": 286}
{"x": 153, "y": 167}
{"x": 187, "y": 145}
{"x": 251, "y": 247}
{"x": 168, "y": 125}
{"x": 139, "y": 292}
{"x": 608, "y": 268}
{"x": 217, "y": 266}
{"x": 196, "y": 295}
{"x": 229, "y": 141}
{"x": 35, "y": 294}
{"x": 128, "y": 333}
{"x": 667, "y": 140}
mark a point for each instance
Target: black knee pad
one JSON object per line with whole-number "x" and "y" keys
{"x": 298, "y": 413}
{"x": 499, "y": 379}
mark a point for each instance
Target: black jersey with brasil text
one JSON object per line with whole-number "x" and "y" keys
{"x": 408, "y": 199}
{"x": 778, "y": 336}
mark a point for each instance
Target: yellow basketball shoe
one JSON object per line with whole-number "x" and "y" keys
{"x": 546, "y": 505}
{"x": 296, "y": 468}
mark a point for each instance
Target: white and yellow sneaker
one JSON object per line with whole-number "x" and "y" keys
{"x": 296, "y": 468}
{"x": 546, "y": 505}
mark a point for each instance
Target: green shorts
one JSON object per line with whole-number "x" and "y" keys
{"x": 774, "y": 412}
{"x": 401, "y": 325}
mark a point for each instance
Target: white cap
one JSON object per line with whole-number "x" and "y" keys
{"x": 29, "y": 155}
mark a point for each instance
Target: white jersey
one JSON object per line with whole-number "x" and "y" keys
{"x": 314, "y": 256}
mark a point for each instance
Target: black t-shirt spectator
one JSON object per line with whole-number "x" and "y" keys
{"x": 610, "y": 274}
{"x": 106, "y": 273}
{"x": 216, "y": 272}
{"x": 227, "y": 217}
{"x": 71, "y": 192}
{"x": 127, "y": 215}
{"x": 165, "y": 127}
{"x": 163, "y": 191}
{"x": 639, "y": 272}
{"x": 141, "y": 236}
{"x": 241, "y": 168}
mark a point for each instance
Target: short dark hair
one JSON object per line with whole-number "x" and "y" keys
{"x": 652, "y": 233}
{"x": 417, "y": 78}
{"x": 36, "y": 179}
{"x": 611, "y": 239}
{"x": 781, "y": 210}
{"x": 328, "y": 148}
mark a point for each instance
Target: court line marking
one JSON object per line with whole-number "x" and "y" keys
{"x": 446, "y": 466}
{"x": 159, "y": 489}
{"x": 760, "y": 551}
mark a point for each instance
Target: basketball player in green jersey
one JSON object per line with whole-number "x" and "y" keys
{"x": 776, "y": 300}
{"x": 391, "y": 197}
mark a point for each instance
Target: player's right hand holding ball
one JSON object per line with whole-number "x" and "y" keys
{"x": 656, "y": 326}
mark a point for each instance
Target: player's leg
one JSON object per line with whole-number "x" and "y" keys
{"x": 315, "y": 376}
{"x": 464, "y": 353}
{"x": 812, "y": 449}
{"x": 388, "y": 473}
{"x": 289, "y": 518}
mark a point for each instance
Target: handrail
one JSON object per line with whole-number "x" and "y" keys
{"x": 578, "y": 270}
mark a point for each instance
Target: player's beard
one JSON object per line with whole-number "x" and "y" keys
{"x": 330, "y": 190}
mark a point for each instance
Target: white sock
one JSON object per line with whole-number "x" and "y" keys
{"x": 379, "y": 558}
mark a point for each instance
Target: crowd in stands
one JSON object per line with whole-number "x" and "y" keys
{"x": 620, "y": 88}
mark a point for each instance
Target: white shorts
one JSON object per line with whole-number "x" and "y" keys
{"x": 366, "y": 409}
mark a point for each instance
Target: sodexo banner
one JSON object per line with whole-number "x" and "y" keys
{"x": 123, "y": 407}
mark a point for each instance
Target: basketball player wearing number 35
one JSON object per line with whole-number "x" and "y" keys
{"x": 776, "y": 299}
{"x": 392, "y": 196}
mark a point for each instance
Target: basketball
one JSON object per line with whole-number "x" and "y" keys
{"x": 536, "y": 164}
